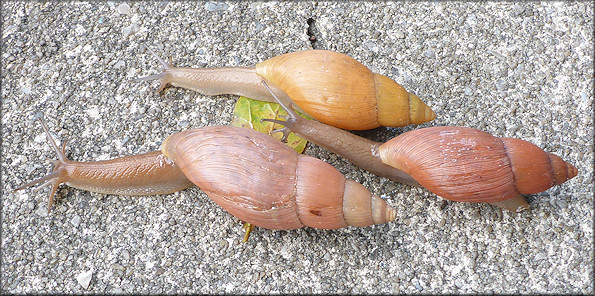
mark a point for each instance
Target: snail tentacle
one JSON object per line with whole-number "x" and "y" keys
{"x": 57, "y": 176}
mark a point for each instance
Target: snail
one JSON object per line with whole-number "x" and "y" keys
{"x": 331, "y": 87}
{"x": 249, "y": 174}
{"x": 456, "y": 163}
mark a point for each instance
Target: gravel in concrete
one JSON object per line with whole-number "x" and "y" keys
{"x": 522, "y": 70}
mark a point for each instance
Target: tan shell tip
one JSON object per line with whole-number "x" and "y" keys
{"x": 419, "y": 112}
{"x": 391, "y": 214}
{"x": 431, "y": 116}
{"x": 563, "y": 171}
{"x": 381, "y": 211}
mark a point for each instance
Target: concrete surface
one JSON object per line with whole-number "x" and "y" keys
{"x": 517, "y": 70}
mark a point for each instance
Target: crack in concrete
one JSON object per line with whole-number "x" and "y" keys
{"x": 312, "y": 32}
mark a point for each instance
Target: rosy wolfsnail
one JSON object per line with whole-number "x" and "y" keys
{"x": 251, "y": 175}
{"x": 456, "y": 163}
{"x": 331, "y": 87}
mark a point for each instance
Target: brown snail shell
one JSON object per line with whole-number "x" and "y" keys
{"x": 263, "y": 182}
{"x": 465, "y": 164}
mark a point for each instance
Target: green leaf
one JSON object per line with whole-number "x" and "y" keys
{"x": 248, "y": 113}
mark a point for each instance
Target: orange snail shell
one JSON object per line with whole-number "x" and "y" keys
{"x": 465, "y": 164}
{"x": 262, "y": 181}
{"x": 338, "y": 90}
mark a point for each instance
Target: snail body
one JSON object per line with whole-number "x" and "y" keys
{"x": 251, "y": 175}
{"x": 456, "y": 163}
{"x": 265, "y": 183}
{"x": 144, "y": 174}
{"x": 331, "y": 87}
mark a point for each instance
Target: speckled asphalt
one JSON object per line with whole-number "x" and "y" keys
{"x": 520, "y": 70}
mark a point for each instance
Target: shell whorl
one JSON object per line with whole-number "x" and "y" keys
{"x": 465, "y": 164}
{"x": 261, "y": 181}
{"x": 534, "y": 169}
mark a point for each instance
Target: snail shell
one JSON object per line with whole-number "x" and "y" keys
{"x": 340, "y": 91}
{"x": 465, "y": 164}
{"x": 263, "y": 182}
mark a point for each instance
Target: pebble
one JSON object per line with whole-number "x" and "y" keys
{"x": 540, "y": 256}
{"x": 120, "y": 64}
{"x": 41, "y": 211}
{"x": 501, "y": 85}
{"x": 417, "y": 285}
{"x": 562, "y": 204}
{"x": 76, "y": 221}
{"x": 489, "y": 229}
{"x": 117, "y": 290}
{"x": 84, "y": 278}
{"x": 430, "y": 54}
{"x": 123, "y": 8}
{"x": 399, "y": 34}
{"x": 184, "y": 124}
{"x": 212, "y": 6}
{"x": 458, "y": 284}
{"x": 129, "y": 30}
{"x": 223, "y": 244}
{"x": 371, "y": 46}
{"x": 125, "y": 255}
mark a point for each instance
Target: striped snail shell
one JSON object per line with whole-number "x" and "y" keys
{"x": 465, "y": 164}
{"x": 338, "y": 90}
{"x": 261, "y": 181}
